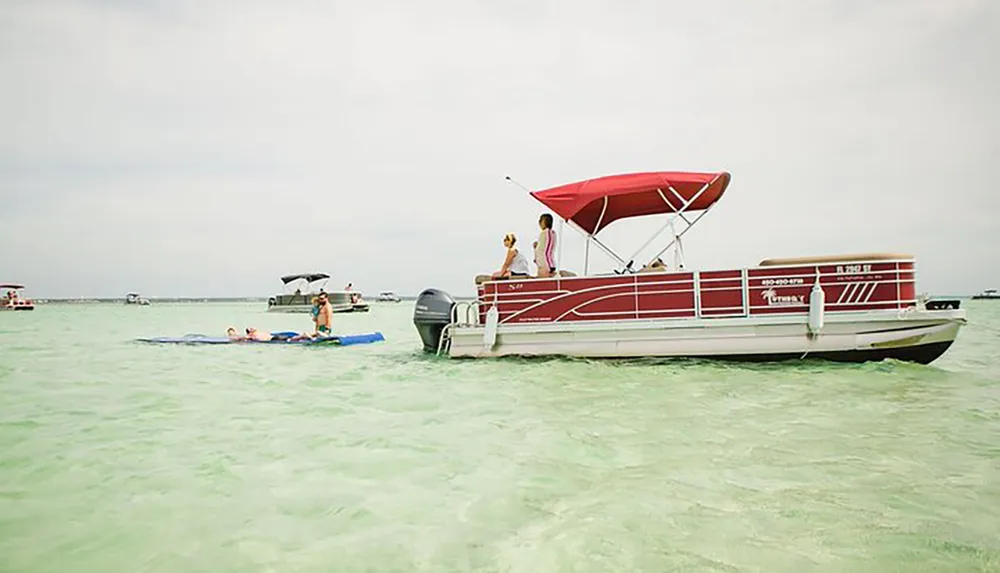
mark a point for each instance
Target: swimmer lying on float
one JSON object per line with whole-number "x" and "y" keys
{"x": 252, "y": 333}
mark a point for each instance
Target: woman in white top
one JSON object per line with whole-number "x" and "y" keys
{"x": 515, "y": 264}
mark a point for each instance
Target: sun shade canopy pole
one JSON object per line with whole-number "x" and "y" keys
{"x": 672, "y": 217}
{"x": 668, "y": 224}
{"x": 559, "y": 260}
{"x": 590, "y": 237}
{"x": 595, "y": 240}
{"x": 677, "y": 237}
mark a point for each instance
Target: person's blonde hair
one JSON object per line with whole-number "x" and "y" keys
{"x": 510, "y": 237}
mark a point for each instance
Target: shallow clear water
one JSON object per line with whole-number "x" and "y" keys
{"x": 118, "y": 456}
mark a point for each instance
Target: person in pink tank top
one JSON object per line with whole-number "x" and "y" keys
{"x": 545, "y": 247}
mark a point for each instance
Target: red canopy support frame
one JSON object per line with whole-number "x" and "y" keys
{"x": 674, "y": 216}
{"x": 592, "y": 238}
{"x": 633, "y": 193}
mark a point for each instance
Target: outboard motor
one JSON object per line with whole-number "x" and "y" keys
{"x": 430, "y": 315}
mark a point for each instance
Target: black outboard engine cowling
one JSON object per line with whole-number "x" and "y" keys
{"x": 430, "y": 315}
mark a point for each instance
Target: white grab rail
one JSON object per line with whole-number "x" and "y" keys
{"x": 465, "y": 313}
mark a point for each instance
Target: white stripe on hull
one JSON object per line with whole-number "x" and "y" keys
{"x": 711, "y": 337}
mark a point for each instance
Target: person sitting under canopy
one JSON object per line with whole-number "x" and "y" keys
{"x": 656, "y": 265}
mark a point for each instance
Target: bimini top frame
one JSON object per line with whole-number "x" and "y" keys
{"x": 593, "y": 204}
{"x": 309, "y": 278}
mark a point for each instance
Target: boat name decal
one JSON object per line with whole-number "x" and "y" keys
{"x": 775, "y": 299}
{"x": 853, "y": 269}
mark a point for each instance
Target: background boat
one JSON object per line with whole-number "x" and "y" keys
{"x": 12, "y": 300}
{"x": 388, "y": 296}
{"x": 308, "y": 285}
{"x": 136, "y": 298}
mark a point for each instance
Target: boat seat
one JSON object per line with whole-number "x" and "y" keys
{"x": 480, "y": 279}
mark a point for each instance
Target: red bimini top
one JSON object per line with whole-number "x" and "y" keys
{"x": 632, "y": 195}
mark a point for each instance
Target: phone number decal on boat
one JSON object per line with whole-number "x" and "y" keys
{"x": 782, "y": 282}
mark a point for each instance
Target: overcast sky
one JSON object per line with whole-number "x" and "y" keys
{"x": 205, "y": 147}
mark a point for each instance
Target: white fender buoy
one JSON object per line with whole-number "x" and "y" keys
{"x": 490, "y": 333}
{"x": 817, "y": 300}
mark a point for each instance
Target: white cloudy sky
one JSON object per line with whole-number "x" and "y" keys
{"x": 196, "y": 147}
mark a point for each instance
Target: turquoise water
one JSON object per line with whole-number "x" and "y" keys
{"x": 119, "y": 456}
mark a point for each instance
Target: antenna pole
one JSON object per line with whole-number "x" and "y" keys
{"x": 509, "y": 178}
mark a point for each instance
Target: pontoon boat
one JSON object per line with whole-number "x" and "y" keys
{"x": 12, "y": 299}
{"x": 846, "y": 308}
{"x": 988, "y": 294}
{"x": 306, "y": 286}
{"x": 358, "y": 303}
{"x": 388, "y": 296}
{"x": 135, "y": 298}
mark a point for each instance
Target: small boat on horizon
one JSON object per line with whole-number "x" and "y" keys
{"x": 847, "y": 308}
{"x": 136, "y": 298}
{"x": 12, "y": 299}
{"x": 988, "y": 294}
{"x": 388, "y": 296}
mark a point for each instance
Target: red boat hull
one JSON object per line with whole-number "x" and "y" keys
{"x": 850, "y": 311}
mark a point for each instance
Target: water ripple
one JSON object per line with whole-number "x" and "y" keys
{"x": 120, "y": 456}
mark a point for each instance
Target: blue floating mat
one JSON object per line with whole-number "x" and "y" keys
{"x": 281, "y": 338}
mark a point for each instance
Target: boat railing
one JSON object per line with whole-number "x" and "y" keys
{"x": 465, "y": 313}
{"x": 710, "y": 294}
